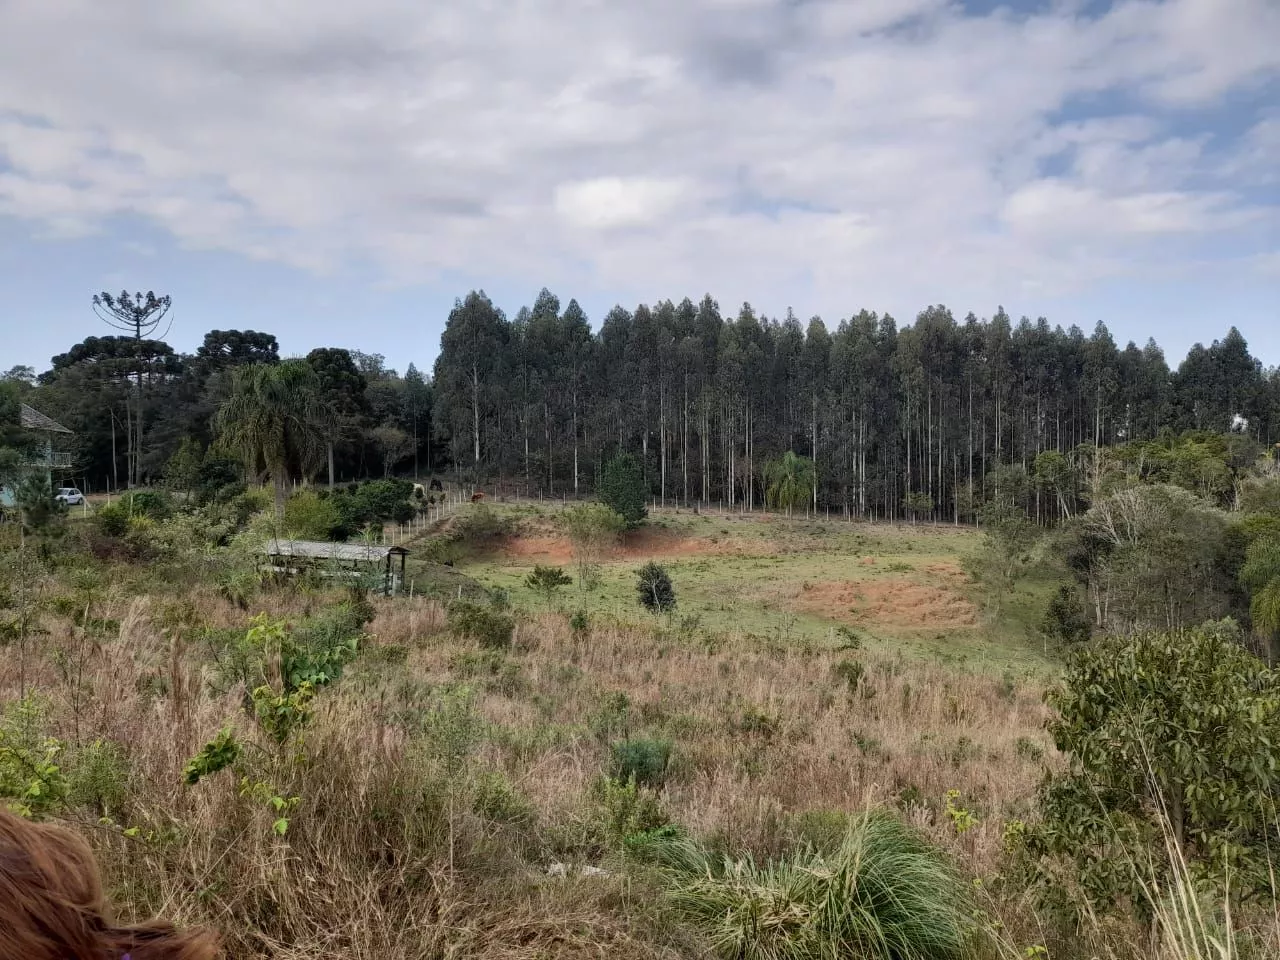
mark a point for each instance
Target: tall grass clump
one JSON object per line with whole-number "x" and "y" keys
{"x": 884, "y": 894}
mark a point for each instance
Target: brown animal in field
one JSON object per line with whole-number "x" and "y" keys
{"x": 477, "y": 496}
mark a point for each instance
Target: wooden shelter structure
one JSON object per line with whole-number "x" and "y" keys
{"x": 350, "y": 561}
{"x": 44, "y": 455}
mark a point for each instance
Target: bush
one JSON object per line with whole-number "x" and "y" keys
{"x": 629, "y": 812}
{"x": 1065, "y": 619}
{"x": 655, "y": 590}
{"x": 308, "y": 516}
{"x": 490, "y": 629}
{"x": 622, "y": 489}
{"x": 221, "y": 479}
{"x": 644, "y": 761}
{"x": 547, "y": 581}
{"x": 884, "y": 894}
{"x": 1170, "y": 736}
{"x": 112, "y": 519}
{"x": 147, "y": 503}
{"x": 373, "y": 502}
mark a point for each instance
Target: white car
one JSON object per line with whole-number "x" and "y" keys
{"x": 70, "y": 496}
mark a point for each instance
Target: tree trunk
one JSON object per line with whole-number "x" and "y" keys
{"x": 278, "y": 480}
{"x": 331, "y": 465}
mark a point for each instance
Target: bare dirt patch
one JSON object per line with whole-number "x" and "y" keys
{"x": 890, "y": 602}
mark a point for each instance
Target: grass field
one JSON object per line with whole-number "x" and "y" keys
{"x": 447, "y": 795}
{"x": 920, "y": 590}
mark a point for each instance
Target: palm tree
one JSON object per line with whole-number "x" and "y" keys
{"x": 277, "y": 421}
{"x": 789, "y": 482}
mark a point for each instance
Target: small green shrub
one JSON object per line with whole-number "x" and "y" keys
{"x": 489, "y": 628}
{"x": 754, "y": 722}
{"x": 580, "y": 625}
{"x": 147, "y": 503}
{"x": 656, "y": 593}
{"x": 112, "y": 519}
{"x": 479, "y": 524}
{"x": 612, "y": 718}
{"x": 643, "y": 760}
{"x": 627, "y": 810}
{"x": 547, "y": 581}
{"x": 1027, "y": 749}
{"x": 31, "y": 779}
{"x": 820, "y": 830}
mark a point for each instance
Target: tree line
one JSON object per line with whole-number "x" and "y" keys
{"x": 885, "y": 421}
{"x": 895, "y": 422}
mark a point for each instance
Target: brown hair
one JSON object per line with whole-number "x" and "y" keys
{"x": 52, "y": 906}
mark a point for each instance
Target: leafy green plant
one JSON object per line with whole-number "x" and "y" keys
{"x": 547, "y": 581}
{"x": 31, "y": 777}
{"x": 884, "y": 894}
{"x": 656, "y": 593}
{"x": 281, "y": 714}
{"x": 216, "y": 755}
{"x": 1171, "y": 731}
{"x": 580, "y": 625}
{"x": 789, "y": 482}
{"x": 496, "y": 800}
{"x": 962, "y": 818}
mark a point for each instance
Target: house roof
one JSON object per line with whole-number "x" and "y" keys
{"x": 33, "y": 419}
{"x": 322, "y": 550}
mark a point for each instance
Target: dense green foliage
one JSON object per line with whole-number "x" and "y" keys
{"x": 547, "y": 581}
{"x": 1172, "y": 733}
{"x": 789, "y": 482}
{"x": 1066, "y": 619}
{"x": 623, "y": 490}
{"x": 654, "y": 588}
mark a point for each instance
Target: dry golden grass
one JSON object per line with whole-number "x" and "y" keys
{"x": 387, "y": 855}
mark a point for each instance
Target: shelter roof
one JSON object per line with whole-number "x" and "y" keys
{"x": 322, "y": 550}
{"x": 33, "y": 419}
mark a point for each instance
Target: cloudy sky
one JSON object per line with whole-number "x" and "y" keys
{"x": 337, "y": 173}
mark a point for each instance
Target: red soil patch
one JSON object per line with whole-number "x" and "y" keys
{"x": 637, "y": 544}
{"x": 889, "y": 603}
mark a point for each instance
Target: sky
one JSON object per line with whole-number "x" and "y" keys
{"x": 338, "y": 173}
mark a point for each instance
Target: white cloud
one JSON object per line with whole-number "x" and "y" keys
{"x": 833, "y": 153}
{"x": 608, "y": 202}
